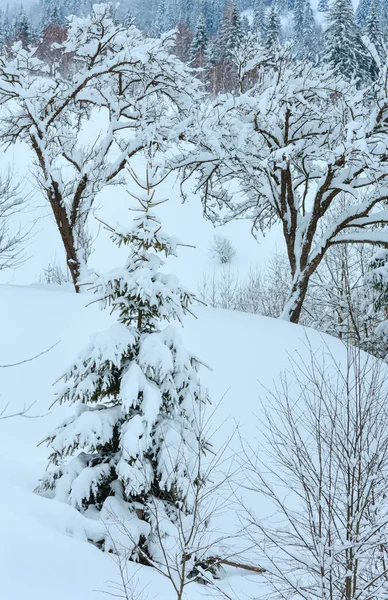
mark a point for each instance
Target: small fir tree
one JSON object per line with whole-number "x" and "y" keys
{"x": 310, "y": 38}
{"x": 199, "y": 45}
{"x": 130, "y": 445}
{"x": 323, "y": 5}
{"x": 299, "y": 15}
{"x": 272, "y": 28}
{"x": 22, "y": 28}
{"x": 258, "y": 24}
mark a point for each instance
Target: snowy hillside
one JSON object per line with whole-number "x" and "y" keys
{"x": 44, "y": 554}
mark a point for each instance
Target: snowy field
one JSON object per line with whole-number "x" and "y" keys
{"x": 44, "y": 542}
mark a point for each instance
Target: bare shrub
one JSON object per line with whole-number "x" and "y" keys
{"x": 321, "y": 470}
{"x": 222, "y": 250}
{"x": 55, "y": 274}
{"x": 262, "y": 292}
{"x": 12, "y": 236}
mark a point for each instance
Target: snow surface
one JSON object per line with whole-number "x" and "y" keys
{"x": 44, "y": 554}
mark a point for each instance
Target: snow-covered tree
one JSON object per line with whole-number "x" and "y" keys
{"x": 310, "y": 38}
{"x": 162, "y": 21}
{"x": 231, "y": 31}
{"x": 376, "y": 303}
{"x": 362, "y": 12}
{"x": 22, "y": 28}
{"x": 134, "y": 86}
{"x": 272, "y": 28}
{"x": 259, "y": 17}
{"x": 323, "y": 5}
{"x": 246, "y": 59}
{"x": 130, "y": 449}
{"x": 296, "y": 141}
{"x": 199, "y": 44}
{"x": 343, "y": 46}
{"x": 298, "y": 33}
{"x": 373, "y": 28}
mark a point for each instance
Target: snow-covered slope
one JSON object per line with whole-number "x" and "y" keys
{"x": 44, "y": 553}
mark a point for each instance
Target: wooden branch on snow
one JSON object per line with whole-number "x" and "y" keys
{"x": 230, "y": 563}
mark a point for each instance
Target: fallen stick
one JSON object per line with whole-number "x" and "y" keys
{"x": 230, "y": 563}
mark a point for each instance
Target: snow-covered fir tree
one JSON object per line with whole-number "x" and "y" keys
{"x": 199, "y": 46}
{"x": 298, "y": 34}
{"x": 373, "y": 28}
{"x": 162, "y": 21}
{"x": 258, "y": 23}
{"x": 310, "y": 36}
{"x": 376, "y": 301}
{"x": 22, "y": 28}
{"x": 362, "y": 12}
{"x": 231, "y": 31}
{"x": 131, "y": 444}
{"x": 272, "y": 28}
{"x": 323, "y": 5}
{"x": 343, "y": 46}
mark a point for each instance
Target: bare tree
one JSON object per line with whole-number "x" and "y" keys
{"x": 285, "y": 151}
{"x": 132, "y": 86}
{"x": 12, "y": 236}
{"x": 336, "y": 301}
{"x": 321, "y": 470}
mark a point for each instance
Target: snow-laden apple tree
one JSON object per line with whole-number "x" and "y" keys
{"x": 285, "y": 151}
{"x": 130, "y": 451}
{"x": 131, "y": 86}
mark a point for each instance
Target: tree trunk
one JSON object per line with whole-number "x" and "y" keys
{"x": 294, "y": 304}
{"x": 67, "y": 237}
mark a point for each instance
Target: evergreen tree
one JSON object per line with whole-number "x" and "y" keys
{"x": 161, "y": 21}
{"x": 258, "y": 23}
{"x": 310, "y": 39}
{"x": 130, "y": 445}
{"x": 298, "y": 18}
{"x": 208, "y": 9}
{"x": 245, "y": 25}
{"x": 383, "y": 12}
{"x": 231, "y": 32}
{"x": 57, "y": 17}
{"x": 22, "y": 28}
{"x": 362, "y": 12}
{"x": 323, "y": 5}
{"x": 343, "y": 46}
{"x": 199, "y": 45}
{"x": 2, "y": 38}
{"x": 272, "y": 28}
{"x": 373, "y": 28}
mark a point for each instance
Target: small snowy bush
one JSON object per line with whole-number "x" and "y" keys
{"x": 222, "y": 250}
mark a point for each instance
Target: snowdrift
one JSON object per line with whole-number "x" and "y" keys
{"x": 44, "y": 552}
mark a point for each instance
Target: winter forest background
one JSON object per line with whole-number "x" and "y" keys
{"x": 194, "y": 299}
{"x": 210, "y": 31}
